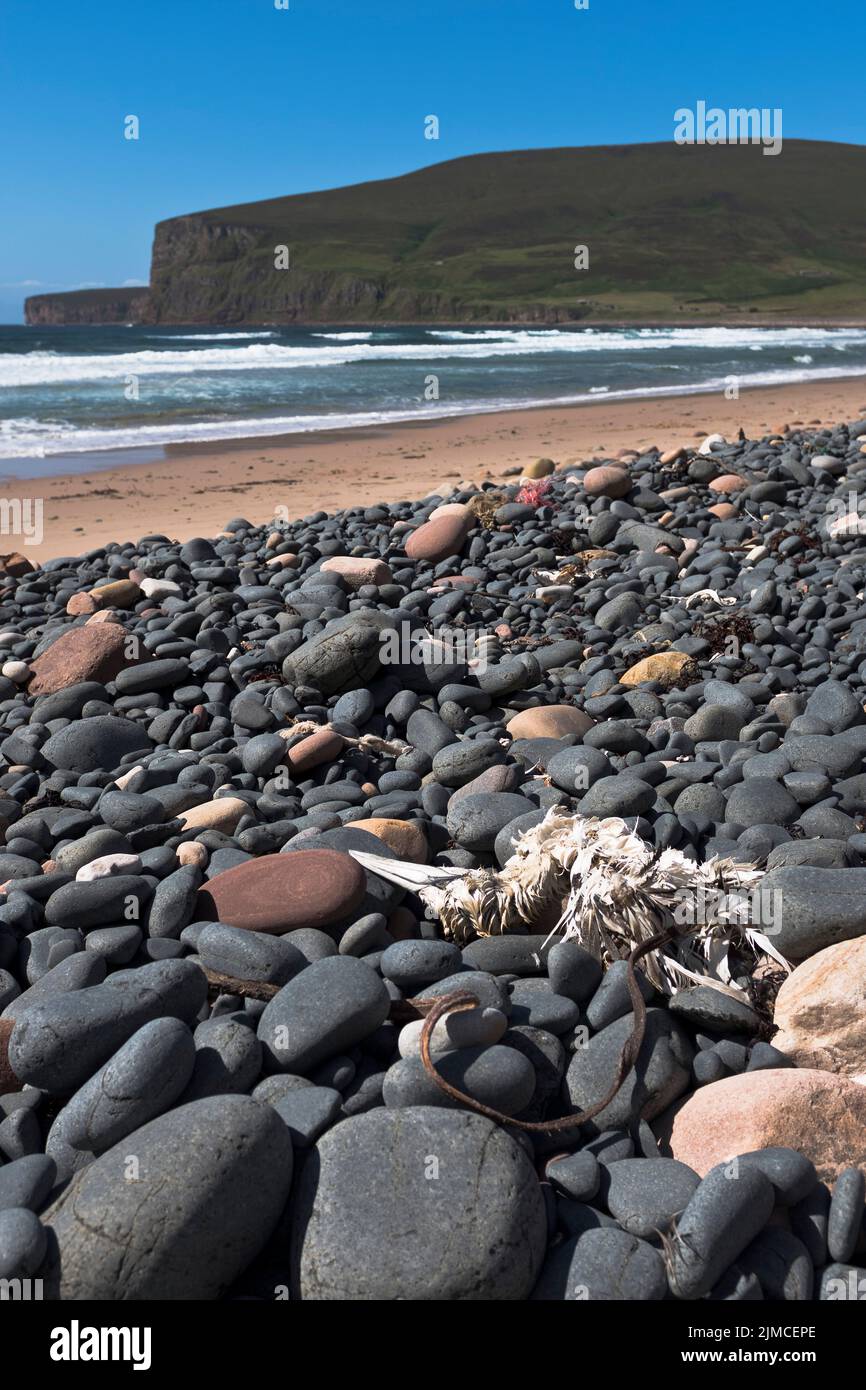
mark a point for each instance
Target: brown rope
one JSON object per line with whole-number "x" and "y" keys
{"x": 459, "y": 1003}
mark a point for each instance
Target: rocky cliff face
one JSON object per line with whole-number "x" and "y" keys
{"x": 215, "y": 272}
{"x": 86, "y": 307}
{"x": 210, "y": 272}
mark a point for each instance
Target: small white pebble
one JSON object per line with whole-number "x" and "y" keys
{"x": 17, "y": 671}
{"x": 107, "y": 866}
{"x": 159, "y": 588}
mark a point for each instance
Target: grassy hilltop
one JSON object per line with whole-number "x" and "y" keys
{"x": 674, "y": 233}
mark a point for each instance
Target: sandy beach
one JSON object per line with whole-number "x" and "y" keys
{"x": 191, "y": 490}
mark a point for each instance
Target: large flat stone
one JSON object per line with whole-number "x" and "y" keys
{"x": 283, "y": 892}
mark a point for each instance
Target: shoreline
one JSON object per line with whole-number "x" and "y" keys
{"x": 190, "y": 489}
{"x": 745, "y": 319}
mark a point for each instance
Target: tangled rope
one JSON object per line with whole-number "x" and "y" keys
{"x": 462, "y": 1001}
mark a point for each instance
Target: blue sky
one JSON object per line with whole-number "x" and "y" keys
{"x": 240, "y": 100}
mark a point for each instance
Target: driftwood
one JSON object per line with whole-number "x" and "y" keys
{"x": 401, "y": 1011}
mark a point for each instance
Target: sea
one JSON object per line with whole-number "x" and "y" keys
{"x": 71, "y": 398}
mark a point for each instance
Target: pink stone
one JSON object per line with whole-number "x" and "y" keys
{"x": 358, "y": 570}
{"x": 549, "y": 721}
{"x": 89, "y": 653}
{"x": 440, "y": 537}
{"x": 728, "y": 482}
{"x": 607, "y": 481}
{"x": 820, "y": 1114}
{"x": 321, "y": 747}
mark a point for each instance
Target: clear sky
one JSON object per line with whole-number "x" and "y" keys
{"x": 238, "y": 99}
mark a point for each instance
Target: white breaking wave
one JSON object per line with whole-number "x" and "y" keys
{"x": 34, "y": 439}
{"x": 50, "y": 368}
{"x": 486, "y": 334}
{"x": 205, "y": 337}
{"x": 345, "y": 337}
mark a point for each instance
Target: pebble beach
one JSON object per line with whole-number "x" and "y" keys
{"x": 212, "y": 1004}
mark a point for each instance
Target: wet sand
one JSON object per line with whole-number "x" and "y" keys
{"x": 193, "y": 490}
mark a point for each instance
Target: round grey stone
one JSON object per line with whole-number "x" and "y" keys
{"x": 99, "y": 903}
{"x": 368, "y": 1212}
{"x": 23, "y": 1240}
{"x": 94, "y": 845}
{"x": 212, "y": 1180}
{"x": 533, "y": 1002}
{"x": 312, "y": 944}
{"x": 27, "y": 1181}
{"x": 603, "y": 1264}
{"x": 574, "y": 770}
{"x": 307, "y": 1111}
{"x": 228, "y": 1059}
{"x": 509, "y": 954}
{"x": 142, "y": 1080}
{"x": 846, "y": 1214}
{"x": 500, "y": 1077}
{"x": 714, "y": 722}
{"x": 617, "y": 796}
{"x": 332, "y": 1005}
{"x": 837, "y": 705}
{"x": 490, "y": 992}
{"x": 578, "y": 1175}
{"x": 722, "y": 1218}
{"x": 792, "y": 1174}
{"x": 59, "y": 1043}
{"x": 345, "y": 656}
{"x": 102, "y": 742}
{"x": 573, "y": 971}
{"x": 77, "y": 972}
{"x": 549, "y": 1059}
{"x": 709, "y": 1008}
{"x": 816, "y": 907}
{"x": 475, "y": 821}
{"x": 263, "y": 753}
{"x": 662, "y": 1073}
{"x": 369, "y": 933}
{"x": 647, "y": 1194}
{"x": 250, "y": 955}
{"x": 761, "y": 801}
{"x": 462, "y": 762}
{"x": 612, "y": 999}
{"x": 413, "y": 964}
{"x": 781, "y": 1264}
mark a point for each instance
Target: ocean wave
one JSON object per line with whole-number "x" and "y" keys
{"x": 491, "y": 334}
{"x": 50, "y": 368}
{"x": 205, "y": 337}
{"x": 35, "y": 439}
{"x": 345, "y": 337}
